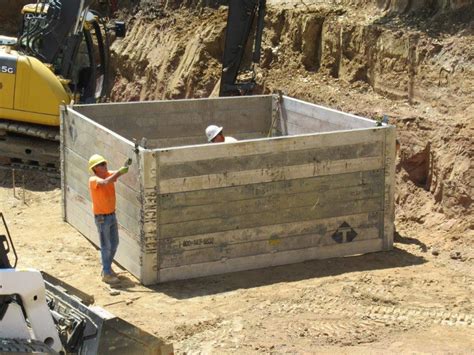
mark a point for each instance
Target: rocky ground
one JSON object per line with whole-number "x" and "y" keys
{"x": 413, "y": 63}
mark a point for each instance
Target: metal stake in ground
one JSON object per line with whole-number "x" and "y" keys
{"x": 23, "y": 187}
{"x": 13, "y": 182}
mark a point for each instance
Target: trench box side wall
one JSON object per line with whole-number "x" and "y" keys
{"x": 80, "y": 138}
{"x": 299, "y": 117}
{"x": 229, "y": 207}
{"x": 182, "y": 122}
{"x": 149, "y": 218}
{"x": 389, "y": 186}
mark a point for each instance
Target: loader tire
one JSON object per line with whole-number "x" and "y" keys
{"x": 24, "y": 346}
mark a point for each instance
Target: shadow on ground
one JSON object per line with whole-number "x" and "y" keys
{"x": 29, "y": 180}
{"x": 408, "y": 240}
{"x": 288, "y": 273}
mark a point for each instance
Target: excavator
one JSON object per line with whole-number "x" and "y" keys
{"x": 42, "y": 315}
{"x": 62, "y": 55}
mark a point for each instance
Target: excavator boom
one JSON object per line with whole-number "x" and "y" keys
{"x": 242, "y": 18}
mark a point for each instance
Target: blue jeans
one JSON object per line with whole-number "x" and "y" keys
{"x": 109, "y": 239}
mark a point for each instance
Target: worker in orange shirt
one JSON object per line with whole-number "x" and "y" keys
{"x": 102, "y": 190}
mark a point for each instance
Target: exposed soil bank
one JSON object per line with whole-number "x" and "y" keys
{"x": 415, "y": 67}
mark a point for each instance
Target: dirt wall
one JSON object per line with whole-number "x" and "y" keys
{"x": 416, "y": 68}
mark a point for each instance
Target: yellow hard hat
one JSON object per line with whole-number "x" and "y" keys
{"x": 94, "y": 160}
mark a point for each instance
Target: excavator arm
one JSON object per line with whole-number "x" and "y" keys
{"x": 241, "y": 18}
{"x": 55, "y": 25}
{"x": 73, "y": 39}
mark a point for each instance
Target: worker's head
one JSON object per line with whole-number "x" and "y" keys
{"x": 214, "y": 134}
{"x": 97, "y": 164}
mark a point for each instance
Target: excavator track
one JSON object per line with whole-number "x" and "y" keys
{"x": 29, "y": 147}
{"x": 23, "y": 346}
{"x": 49, "y": 133}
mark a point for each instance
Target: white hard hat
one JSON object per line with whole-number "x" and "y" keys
{"x": 212, "y": 131}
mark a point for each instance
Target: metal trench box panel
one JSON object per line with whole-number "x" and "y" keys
{"x": 303, "y": 182}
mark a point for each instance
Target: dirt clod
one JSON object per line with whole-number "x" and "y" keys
{"x": 455, "y": 255}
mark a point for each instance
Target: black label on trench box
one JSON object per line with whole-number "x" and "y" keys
{"x": 344, "y": 234}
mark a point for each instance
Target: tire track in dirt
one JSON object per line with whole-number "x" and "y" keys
{"x": 346, "y": 319}
{"x": 352, "y": 309}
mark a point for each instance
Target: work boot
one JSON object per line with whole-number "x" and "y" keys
{"x": 110, "y": 279}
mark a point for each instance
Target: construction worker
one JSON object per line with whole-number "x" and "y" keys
{"x": 215, "y": 135}
{"x": 102, "y": 190}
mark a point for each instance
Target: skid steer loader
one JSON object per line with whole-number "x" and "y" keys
{"x": 40, "y": 314}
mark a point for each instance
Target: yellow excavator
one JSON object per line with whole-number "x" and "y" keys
{"x": 61, "y": 54}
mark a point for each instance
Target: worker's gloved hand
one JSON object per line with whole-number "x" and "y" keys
{"x": 123, "y": 170}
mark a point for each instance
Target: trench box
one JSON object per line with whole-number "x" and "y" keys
{"x": 303, "y": 182}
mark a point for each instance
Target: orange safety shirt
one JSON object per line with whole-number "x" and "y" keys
{"x": 103, "y": 196}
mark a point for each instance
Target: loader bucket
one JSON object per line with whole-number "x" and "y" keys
{"x": 97, "y": 331}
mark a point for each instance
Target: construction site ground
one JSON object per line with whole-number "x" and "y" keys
{"x": 409, "y": 300}
{"x": 416, "y": 67}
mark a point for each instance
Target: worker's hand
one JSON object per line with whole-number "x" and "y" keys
{"x": 123, "y": 170}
